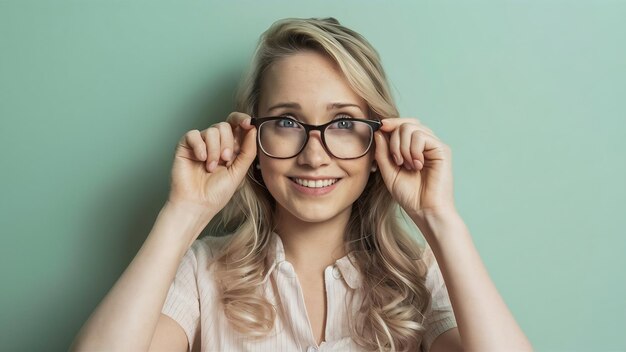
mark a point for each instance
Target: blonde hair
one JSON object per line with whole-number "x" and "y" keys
{"x": 393, "y": 288}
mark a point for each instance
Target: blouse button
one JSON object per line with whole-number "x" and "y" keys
{"x": 336, "y": 272}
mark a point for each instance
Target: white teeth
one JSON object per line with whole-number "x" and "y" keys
{"x": 315, "y": 183}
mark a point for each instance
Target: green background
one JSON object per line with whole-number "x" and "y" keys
{"x": 530, "y": 96}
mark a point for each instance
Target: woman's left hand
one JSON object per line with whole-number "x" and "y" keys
{"x": 416, "y": 167}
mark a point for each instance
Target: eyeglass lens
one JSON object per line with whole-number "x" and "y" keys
{"x": 344, "y": 139}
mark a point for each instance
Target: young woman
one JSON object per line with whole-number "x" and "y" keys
{"x": 308, "y": 177}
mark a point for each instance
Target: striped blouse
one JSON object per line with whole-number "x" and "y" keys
{"x": 192, "y": 301}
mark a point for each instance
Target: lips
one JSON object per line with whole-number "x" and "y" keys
{"x": 318, "y": 183}
{"x": 309, "y": 186}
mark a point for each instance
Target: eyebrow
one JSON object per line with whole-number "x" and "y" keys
{"x": 330, "y": 106}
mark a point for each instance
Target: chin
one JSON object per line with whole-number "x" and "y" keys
{"x": 313, "y": 218}
{"x": 313, "y": 214}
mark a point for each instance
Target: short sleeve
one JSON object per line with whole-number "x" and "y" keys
{"x": 440, "y": 318}
{"x": 182, "y": 303}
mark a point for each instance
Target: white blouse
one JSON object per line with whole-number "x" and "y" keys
{"x": 192, "y": 301}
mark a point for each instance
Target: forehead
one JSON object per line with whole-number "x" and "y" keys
{"x": 309, "y": 78}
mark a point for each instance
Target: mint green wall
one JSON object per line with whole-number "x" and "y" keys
{"x": 530, "y": 96}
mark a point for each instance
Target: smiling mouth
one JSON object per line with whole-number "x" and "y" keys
{"x": 314, "y": 183}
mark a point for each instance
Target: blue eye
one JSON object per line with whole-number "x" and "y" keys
{"x": 287, "y": 123}
{"x": 343, "y": 124}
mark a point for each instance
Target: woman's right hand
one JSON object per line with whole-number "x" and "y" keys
{"x": 210, "y": 165}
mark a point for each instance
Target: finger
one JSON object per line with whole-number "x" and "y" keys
{"x": 428, "y": 130}
{"x": 390, "y": 124}
{"x": 246, "y": 155}
{"x": 406, "y": 131}
{"x": 195, "y": 142}
{"x": 400, "y": 148}
{"x": 386, "y": 165}
{"x": 434, "y": 149}
{"x": 418, "y": 143}
{"x": 236, "y": 118}
{"x": 212, "y": 140}
{"x": 226, "y": 141}
{"x": 239, "y": 132}
{"x": 184, "y": 151}
{"x": 394, "y": 147}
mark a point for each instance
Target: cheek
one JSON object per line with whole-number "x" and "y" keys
{"x": 360, "y": 189}
{"x": 267, "y": 165}
{"x": 272, "y": 171}
{"x": 365, "y": 165}
{"x": 361, "y": 173}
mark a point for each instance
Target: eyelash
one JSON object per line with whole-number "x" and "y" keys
{"x": 340, "y": 115}
{"x": 343, "y": 115}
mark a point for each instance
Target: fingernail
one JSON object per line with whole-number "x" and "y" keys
{"x": 418, "y": 164}
{"x": 398, "y": 161}
{"x": 212, "y": 166}
{"x": 227, "y": 154}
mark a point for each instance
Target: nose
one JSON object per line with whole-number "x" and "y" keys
{"x": 314, "y": 153}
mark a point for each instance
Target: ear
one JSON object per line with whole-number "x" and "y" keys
{"x": 374, "y": 167}
{"x": 255, "y": 172}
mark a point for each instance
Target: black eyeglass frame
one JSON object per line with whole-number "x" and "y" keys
{"x": 257, "y": 121}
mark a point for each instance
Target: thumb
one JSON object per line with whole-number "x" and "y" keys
{"x": 388, "y": 169}
{"x": 246, "y": 155}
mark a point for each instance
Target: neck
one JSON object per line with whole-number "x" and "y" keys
{"x": 312, "y": 246}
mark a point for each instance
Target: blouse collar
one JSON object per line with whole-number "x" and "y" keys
{"x": 277, "y": 261}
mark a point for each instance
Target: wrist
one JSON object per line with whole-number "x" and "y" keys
{"x": 188, "y": 210}
{"x": 182, "y": 222}
{"x": 434, "y": 224}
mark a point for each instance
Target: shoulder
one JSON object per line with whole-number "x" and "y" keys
{"x": 433, "y": 277}
{"x": 428, "y": 257}
{"x": 208, "y": 247}
{"x": 429, "y": 262}
{"x": 198, "y": 262}
{"x": 211, "y": 244}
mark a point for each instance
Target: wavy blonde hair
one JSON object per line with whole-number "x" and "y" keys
{"x": 394, "y": 292}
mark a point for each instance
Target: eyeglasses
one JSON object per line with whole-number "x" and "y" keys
{"x": 283, "y": 137}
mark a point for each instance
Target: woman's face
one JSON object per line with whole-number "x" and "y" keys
{"x": 305, "y": 86}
